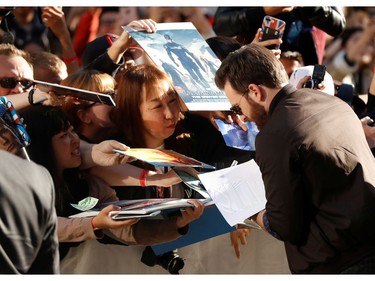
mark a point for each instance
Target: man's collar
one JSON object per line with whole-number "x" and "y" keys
{"x": 287, "y": 89}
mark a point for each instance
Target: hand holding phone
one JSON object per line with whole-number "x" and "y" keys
{"x": 272, "y": 28}
{"x": 317, "y": 77}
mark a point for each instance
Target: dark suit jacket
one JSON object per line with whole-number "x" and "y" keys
{"x": 28, "y": 237}
{"x": 319, "y": 175}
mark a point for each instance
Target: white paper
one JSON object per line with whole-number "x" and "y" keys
{"x": 238, "y": 192}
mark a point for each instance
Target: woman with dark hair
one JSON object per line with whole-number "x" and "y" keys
{"x": 55, "y": 146}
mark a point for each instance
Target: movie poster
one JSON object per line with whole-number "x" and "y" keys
{"x": 181, "y": 51}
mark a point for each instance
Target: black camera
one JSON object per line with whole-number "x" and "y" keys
{"x": 170, "y": 261}
{"x": 317, "y": 77}
{"x": 345, "y": 91}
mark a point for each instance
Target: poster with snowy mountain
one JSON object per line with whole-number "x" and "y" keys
{"x": 181, "y": 51}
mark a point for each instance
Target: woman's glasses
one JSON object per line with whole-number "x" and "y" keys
{"x": 10, "y": 83}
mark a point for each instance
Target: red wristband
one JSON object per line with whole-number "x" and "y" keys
{"x": 92, "y": 223}
{"x": 373, "y": 70}
{"x": 70, "y": 60}
{"x": 142, "y": 178}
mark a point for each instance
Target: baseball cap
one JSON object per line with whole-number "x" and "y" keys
{"x": 99, "y": 45}
{"x": 303, "y": 71}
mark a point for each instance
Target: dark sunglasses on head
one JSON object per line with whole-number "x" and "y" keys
{"x": 10, "y": 83}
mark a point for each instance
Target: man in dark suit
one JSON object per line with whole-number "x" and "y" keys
{"x": 317, "y": 167}
{"x": 28, "y": 237}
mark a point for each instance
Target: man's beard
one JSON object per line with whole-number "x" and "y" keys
{"x": 258, "y": 114}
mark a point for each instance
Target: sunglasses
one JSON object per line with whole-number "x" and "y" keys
{"x": 236, "y": 109}
{"x": 10, "y": 83}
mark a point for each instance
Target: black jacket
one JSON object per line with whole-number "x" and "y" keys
{"x": 319, "y": 176}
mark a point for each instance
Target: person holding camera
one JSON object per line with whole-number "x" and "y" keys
{"x": 313, "y": 77}
{"x": 318, "y": 174}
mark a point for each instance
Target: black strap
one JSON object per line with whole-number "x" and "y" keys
{"x": 31, "y": 96}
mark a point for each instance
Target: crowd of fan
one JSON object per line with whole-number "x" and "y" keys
{"x": 72, "y": 138}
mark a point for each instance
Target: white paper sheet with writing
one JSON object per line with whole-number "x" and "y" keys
{"x": 238, "y": 192}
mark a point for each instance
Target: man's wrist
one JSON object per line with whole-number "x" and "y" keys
{"x": 36, "y": 96}
{"x": 31, "y": 96}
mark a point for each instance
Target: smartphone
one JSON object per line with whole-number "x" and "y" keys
{"x": 317, "y": 76}
{"x": 318, "y": 73}
{"x": 272, "y": 28}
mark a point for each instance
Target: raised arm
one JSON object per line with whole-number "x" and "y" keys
{"x": 54, "y": 19}
{"x": 111, "y": 60}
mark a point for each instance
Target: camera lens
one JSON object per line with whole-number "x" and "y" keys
{"x": 309, "y": 84}
{"x": 171, "y": 262}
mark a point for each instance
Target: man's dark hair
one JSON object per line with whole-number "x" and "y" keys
{"x": 251, "y": 64}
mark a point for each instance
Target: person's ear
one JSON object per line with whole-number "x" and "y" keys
{"x": 256, "y": 93}
{"x": 83, "y": 116}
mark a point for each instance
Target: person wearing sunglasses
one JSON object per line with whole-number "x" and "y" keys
{"x": 16, "y": 73}
{"x": 16, "y": 76}
{"x": 316, "y": 165}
